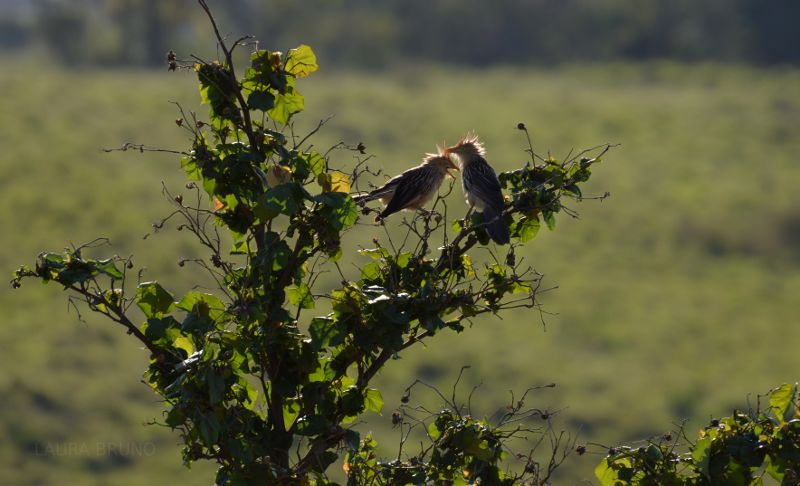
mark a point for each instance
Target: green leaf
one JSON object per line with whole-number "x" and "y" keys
{"x": 781, "y": 402}
{"x": 291, "y": 410}
{"x": 218, "y": 90}
{"x": 193, "y": 172}
{"x": 371, "y": 271}
{"x": 774, "y": 467}
{"x": 375, "y": 253}
{"x": 301, "y": 61}
{"x": 203, "y": 304}
{"x": 323, "y": 460}
{"x": 433, "y": 431}
{"x": 175, "y": 417}
{"x": 526, "y": 228}
{"x": 550, "y": 219}
{"x": 312, "y": 425}
{"x": 403, "y": 259}
{"x": 109, "y": 268}
{"x": 185, "y": 344}
{"x": 331, "y": 199}
{"x": 324, "y": 333}
{"x": 431, "y": 322}
{"x": 153, "y": 299}
{"x": 216, "y": 386}
{"x": 240, "y": 248}
{"x": 161, "y": 328}
{"x": 261, "y": 100}
{"x": 250, "y": 395}
{"x": 316, "y": 162}
{"x": 702, "y": 455}
{"x": 607, "y": 475}
{"x": 348, "y": 214}
{"x": 282, "y": 199}
{"x": 352, "y": 439}
{"x": 373, "y": 400}
{"x": 352, "y": 401}
{"x": 209, "y": 427}
{"x": 286, "y": 105}
{"x": 300, "y": 296}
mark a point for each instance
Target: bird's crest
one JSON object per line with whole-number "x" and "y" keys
{"x": 432, "y": 157}
{"x": 471, "y": 139}
{"x": 440, "y": 160}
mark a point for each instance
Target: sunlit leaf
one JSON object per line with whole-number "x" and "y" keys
{"x": 300, "y": 296}
{"x": 781, "y": 401}
{"x": 185, "y": 344}
{"x": 153, "y": 299}
{"x": 287, "y": 104}
{"x": 702, "y": 455}
{"x": 202, "y": 303}
{"x": 301, "y": 61}
{"x": 373, "y": 400}
{"x": 339, "y": 182}
{"x": 375, "y": 253}
{"x": 108, "y": 267}
{"x": 526, "y": 228}
{"x": 371, "y": 271}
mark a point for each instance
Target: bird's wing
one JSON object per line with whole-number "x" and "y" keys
{"x": 411, "y": 185}
{"x": 481, "y": 180}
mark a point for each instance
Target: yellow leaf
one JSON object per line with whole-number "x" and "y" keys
{"x": 301, "y": 61}
{"x": 339, "y": 182}
{"x": 277, "y": 175}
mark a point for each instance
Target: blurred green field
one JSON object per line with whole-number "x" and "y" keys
{"x": 676, "y": 298}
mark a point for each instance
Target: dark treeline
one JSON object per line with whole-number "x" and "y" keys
{"x": 374, "y": 33}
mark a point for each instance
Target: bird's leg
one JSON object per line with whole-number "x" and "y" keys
{"x": 469, "y": 213}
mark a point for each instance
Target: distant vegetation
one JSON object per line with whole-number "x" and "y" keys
{"x": 468, "y": 32}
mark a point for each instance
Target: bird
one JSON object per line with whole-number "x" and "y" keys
{"x": 413, "y": 188}
{"x": 481, "y": 186}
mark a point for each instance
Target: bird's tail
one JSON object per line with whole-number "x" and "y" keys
{"x": 496, "y": 225}
{"x": 362, "y": 198}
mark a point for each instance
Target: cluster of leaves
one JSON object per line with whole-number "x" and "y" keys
{"x": 244, "y": 378}
{"x": 735, "y": 450}
{"x": 461, "y": 449}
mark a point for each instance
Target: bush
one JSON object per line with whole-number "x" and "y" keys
{"x": 247, "y": 379}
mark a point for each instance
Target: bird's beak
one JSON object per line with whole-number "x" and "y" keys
{"x": 452, "y": 166}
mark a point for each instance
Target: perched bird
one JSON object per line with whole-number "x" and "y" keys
{"x": 413, "y": 188}
{"x": 481, "y": 186}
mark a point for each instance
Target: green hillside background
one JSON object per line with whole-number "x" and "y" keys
{"x": 676, "y": 299}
